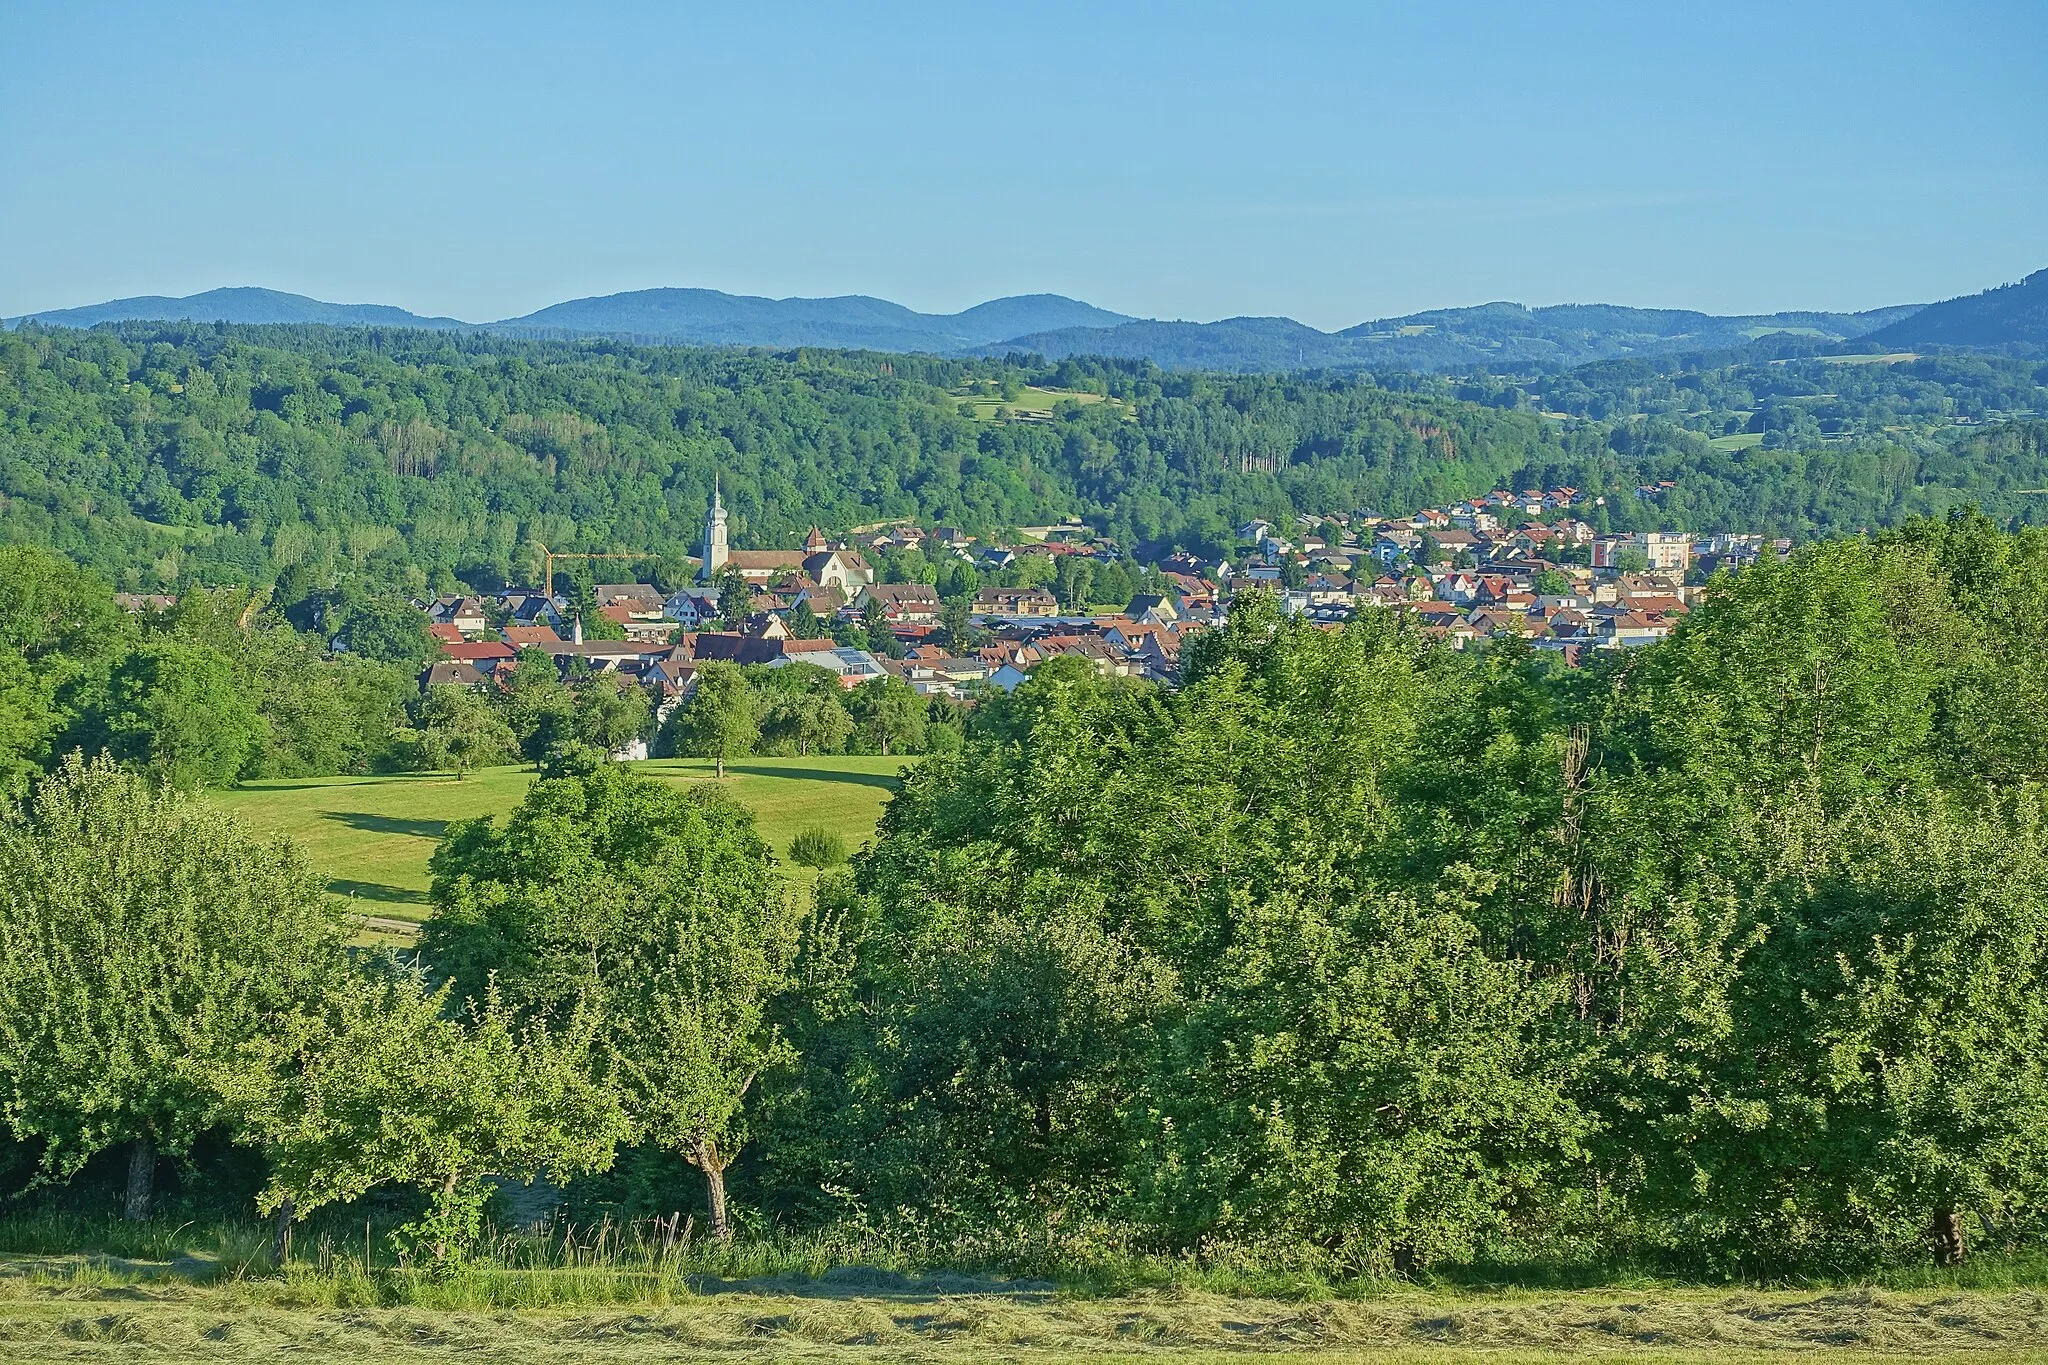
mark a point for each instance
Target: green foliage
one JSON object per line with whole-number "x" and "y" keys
{"x": 661, "y": 910}
{"x": 176, "y": 710}
{"x": 390, "y": 1083}
{"x": 460, "y": 730}
{"x": 719, "y": 720}
{"x": 611, "y": 712}
{"x": 817, "y": 848}
{"x": 888, "y": 715}
{"x": 143, "y": 937}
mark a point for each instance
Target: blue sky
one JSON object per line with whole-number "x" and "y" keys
{"x": 1331, "y": 162}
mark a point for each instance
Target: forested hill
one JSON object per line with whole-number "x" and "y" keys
{"x": 161, "y": 454}
{"x": 2012, "y": 315}
{"x": 1493, "y": 335}
{"x": 240, "y": 305}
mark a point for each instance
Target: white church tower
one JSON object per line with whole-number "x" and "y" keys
{"x": 714, "y": 550}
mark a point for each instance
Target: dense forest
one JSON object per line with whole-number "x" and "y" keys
{"x": 1355, "y": 951}
{"x": 168, "y": 455}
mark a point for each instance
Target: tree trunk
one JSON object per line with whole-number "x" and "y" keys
{"x": 141, "y": 1180}
{"x": 1947, "y": 1233}
{"x": 714, "y": 1182}
{"x": 707, "y": 1159}
{"x": 721, "y": 767}
{"x": 281, "y": 1235}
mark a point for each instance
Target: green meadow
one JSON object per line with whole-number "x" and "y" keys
{"x": 371, "y": 836}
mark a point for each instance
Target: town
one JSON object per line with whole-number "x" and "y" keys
{"x": 869, "y": 604}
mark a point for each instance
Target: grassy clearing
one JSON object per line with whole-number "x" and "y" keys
{"x": 1740, "y": 440}
{"x": 1033, "y": 399}
{"x": 372, "y": 836}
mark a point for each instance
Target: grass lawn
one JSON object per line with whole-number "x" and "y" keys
{"x": 372, "y": 836}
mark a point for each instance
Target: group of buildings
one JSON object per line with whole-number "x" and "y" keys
{"x": 1468, "y": 572}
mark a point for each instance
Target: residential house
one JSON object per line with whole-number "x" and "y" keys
{"x": 914, "y": 603}
{"x": 1152, "y": 607}
{"x": 466, "y": 614}
{"x": 452, "y": 673}
{"x": 845, "y": 570}
{"x": 1026, "y": 602}
{"x": 691, "y": 608}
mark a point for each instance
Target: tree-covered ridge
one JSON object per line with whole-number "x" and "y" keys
{"x": 165, "y": 454}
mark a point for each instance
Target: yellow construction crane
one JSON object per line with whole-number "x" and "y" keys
{"x": 549, "y": 557}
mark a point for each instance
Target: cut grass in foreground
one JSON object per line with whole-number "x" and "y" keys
{"x": 80, "y": 1311}
{"x": 371, "y": 836}
{"x": 615, "y": 1295}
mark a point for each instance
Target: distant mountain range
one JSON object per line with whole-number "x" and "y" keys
{"x": 236, "y": 305}
{"x": 1493, "y": 334}
{"x": 1498, "y": 334}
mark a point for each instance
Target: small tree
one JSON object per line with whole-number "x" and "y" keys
{"x": 890, "y": 714}
{"x": 817, "y": 848}
{"x": 662, "y": 907}
{"x": 735, "y": 596}
{"x": 141, "y": 934}
{"x": 718, "y": 722}
{"x": 956, "y": 620}
{"x": 460, "y": 730}
{"x": 804, "y": 623}
{"x": 611, "y": 712}
{"x": 391, "y": 1085}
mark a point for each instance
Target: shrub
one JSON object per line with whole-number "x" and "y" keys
{"x": 817, "y": 848}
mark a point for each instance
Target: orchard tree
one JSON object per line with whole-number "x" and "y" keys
{"x": 391, "y": 1083}
{"x": 611, "y": 711}
{"x": 459, "y": 729}
{"x": 661, "y": 908}
{"x": 142, "y": 934}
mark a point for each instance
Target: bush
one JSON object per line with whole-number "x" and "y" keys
{"x": 817, "y": 848}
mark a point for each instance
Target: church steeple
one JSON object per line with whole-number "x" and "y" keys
{"x": 714, "y": 549}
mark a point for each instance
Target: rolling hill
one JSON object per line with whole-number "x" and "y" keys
{"x": 707, "y": 317}
{"x": 1492, "y": 334}
{"x": 2012, "y": 314}
{"x": 237, "y": 305}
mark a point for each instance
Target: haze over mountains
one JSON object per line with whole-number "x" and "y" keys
{"x": 1493, "y": 334}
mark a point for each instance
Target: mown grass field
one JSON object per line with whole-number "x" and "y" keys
{"x": 371, "y": 836}
{"x": 1740, "y": 440}
{"x": 1032, "y": 399}
{"x": 73, "y": 1309}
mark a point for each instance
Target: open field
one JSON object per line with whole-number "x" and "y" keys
{"x": 1032, "y": 399}
{"x": 1740, "y": 440}
{"x": 371, "y": 836}
{"x": 71, "y": 1309}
